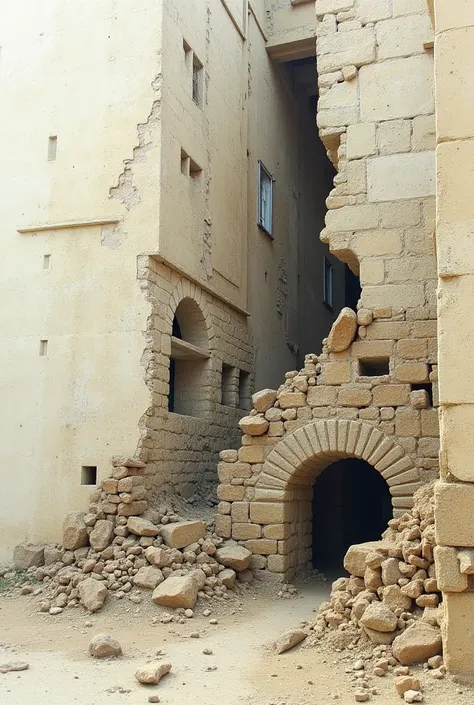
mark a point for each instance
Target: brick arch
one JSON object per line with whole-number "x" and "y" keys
{"x": 302, "y": 454}
{"x": 182, "y": 292}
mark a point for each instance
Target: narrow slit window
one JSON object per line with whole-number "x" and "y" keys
{"x": 374, "y": 367}
{"x": 89, "y": 475}
{"x": 245, "y": 395}
{"x": 328, "y": 284}
{"x": 185, "y": 163}
{"x": 227, "y": 386}
{"x": 197, "y": 80}
{"x": 43, "y": 350}
{"x": 52, "y": 148}
{"x": 46, "y": 261}
{"x": 265, "y": 199}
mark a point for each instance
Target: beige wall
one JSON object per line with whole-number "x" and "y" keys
{"x": 454, "y": 64}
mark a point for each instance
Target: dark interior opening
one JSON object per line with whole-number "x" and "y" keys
{"x": 176, "y": 333}
{"x": 352, "y": 288}
{"x": 374, "y": 367}
{"x": 428, "y": 387}
{"x": 351, "y": 504}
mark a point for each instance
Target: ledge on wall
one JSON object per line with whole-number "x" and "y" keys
{"x": 182, "y": 350}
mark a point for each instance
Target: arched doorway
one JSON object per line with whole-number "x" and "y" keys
{"x": 284, "y": 490}
{"x": 351, "y": 504}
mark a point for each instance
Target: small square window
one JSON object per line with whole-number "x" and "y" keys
{"x": 374, "y": 367}
{"x": 265, "y": 199}
{"x": 89, "y": 475}
{"x": 328, "y": 283}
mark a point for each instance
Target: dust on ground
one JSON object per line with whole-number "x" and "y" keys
{"x": 241, "y": 670}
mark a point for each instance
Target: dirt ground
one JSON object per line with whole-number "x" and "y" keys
{"x": 240, "y": 671}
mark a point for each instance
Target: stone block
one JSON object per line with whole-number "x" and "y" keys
{"x": 110, "y": 485}
{"x": 350, "y": 218}
{"x": 264, "y": 399}
{"x": 379, "y": 242}
{"x": 336, "y": 373}
{"x": 400, "y": 215}
{"x": 252, "y": 454}
{"x": 279, "y": 563}
{"x": 75, "y": 531}
{"x": 401, "y": 176}
{"x": 372, "y": 271}
{"x": 360, "y": 140}
{"x": 403, "y": 36}
{"x": 412, "y": 372}
{"x": 428, "y": 447}
{"x": 242, "y": 532}
{"x": 354, "y": 397}
{"x": 271, "y": 512}
{"x": 277, "y": 531}
{"x": 453, "y": 74}
{"x": 398, "y": 295}
{"x": 321, "y": 396}
{"x": 346, "y": 48}
{"x": 290, "y": 400}
{"x": 429, "y": 422}
{"x": 454, "y": 503}
{"x": 253, "y": 425}
{"x": 391, "y": 395}
{"x": 28, "y": 555}
{"x": 343, "y": 331}
{"x": 132, "y": 509}
{"x": 394, "y": 136}
{"x": 407, "y": 422}
{"x": 240, "y": 511}
{"x": 402, "y": 88}
{"x": 424, "y": 133}
{"x": 372, "y": 349}
{"x": 228, "y": 456}
{"x": 324, "y": 7}
{"x": 276, "y": 428}
{"x": 411, "y": 349}
{"x": 408, "y": 7}
{"x": 223, "y": 525}
{"x": 230, "y": 493}
{"x": 177, "y": 591}
{"x": 374, "y": 10}
{"x": 448, "y": 573}
{"x": 458, "y": 633}
{"x": 415, "y": 268}
{"x": 419, "y": 399}
{"x": 388, "y": 330}
{"x": 264, "y": 547}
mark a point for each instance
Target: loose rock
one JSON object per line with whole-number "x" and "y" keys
{"x": 289, "y": 639}
{"x": 103, "y": 645}
{"x": 152, "y": 673}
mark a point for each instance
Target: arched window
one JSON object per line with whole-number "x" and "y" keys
{"x": 188, "y": 394}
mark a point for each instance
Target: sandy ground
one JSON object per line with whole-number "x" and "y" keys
{"x": 240, "y": 671}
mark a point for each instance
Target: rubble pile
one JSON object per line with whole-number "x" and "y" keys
{"x": 122, "y": 545}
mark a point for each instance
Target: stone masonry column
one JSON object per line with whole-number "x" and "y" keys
{"x": 454, "y": 71}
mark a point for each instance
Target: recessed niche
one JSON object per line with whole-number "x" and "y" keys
{"x": 52, "y": 148}
{"x": 427, "y": 387}
{"x": 43, "y": 349}
{"x": 376, "y": 367}
{"x": 46, "y": 261}
{"x": 89, "y": 475}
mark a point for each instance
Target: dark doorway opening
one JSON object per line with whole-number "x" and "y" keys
{"x": 351, "y": 504}
{"x": 352, "y": 288}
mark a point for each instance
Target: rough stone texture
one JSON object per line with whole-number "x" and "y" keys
{"x": 101, "y": 534}
{"x": 254, "y": 425}
{"x": 264, "y": 400}
{"x": 177, "y": 592}
{"x": 235, "y": 557}
{"x": 75, "y": 531}
{"x": 148, "y": 577}
{"x": 417, "y": 644}
{"x": 288, "y": 640}
{"x": 404, "y": 683}
{"x": 103, "y": 645}
{"x": 183, "y": 533}
{"x": 228, "y": 577}
{"x": 157, "y": 556}
{"x": 92, "y": 594}
{"x": 343, "y": 331}
{"x": 28, "y": 555}
{"x": 152, "y": 673}
{"x": 379, "y": 617}
{"x": 448, "y": 571}
{"x": 355, "y": 558}
{"x": 142, "y": 527}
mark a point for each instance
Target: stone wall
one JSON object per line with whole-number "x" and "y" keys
{"x": 181, "y": 449}
{"x": 375, "y": 396}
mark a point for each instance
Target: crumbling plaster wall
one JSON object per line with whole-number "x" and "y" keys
{"x": 375, "y": 115}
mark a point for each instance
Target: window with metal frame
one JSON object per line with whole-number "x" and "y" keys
{"x": 265, "y": 199}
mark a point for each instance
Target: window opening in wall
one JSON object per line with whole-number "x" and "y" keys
{"x": 352, "y": 288}
{"x": 184, "y": 163}
{"x": 52, "y": 148}
{"x": 328, "y": 283}
{"x": 197, "y": 80}
{"x": 89, "y": 475}
{"x": 188, "y": 166}
{"x": 245, "y": 392}
{"x": 46, "y": 261}
{"x": 43, "y": 351}
{"x": 265, "y": 199}
{"x": 374, "y": 367}
{"x": 427, "y": 387}
{"x": 188, "y": 380}
{"x": 194, "y": 169}
{"x": 227, "y": 388}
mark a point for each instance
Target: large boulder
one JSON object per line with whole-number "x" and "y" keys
{"x": 103, "y": 645}
{"x": 235, "y": 557}
{"x": 355, "y": 558}
{"x": 254, "y": 425}
{"x": 152, "y": 673}
{"x": 92, "y": 594}
{"x": 101, "y": 535}
{"x": 183, "y": 533}
{"x": 142, "y": 527}
{"x": 177, "y": 591}
{"x": 148, "y": 577}
{"x": 264, "y": 399}
{"x": 343, "y": 331}
{"x": 28, "y": 555}
{"x": 379, "y": 617}
{"x": 417, "y": 643}
{"x": 75, "y": 531}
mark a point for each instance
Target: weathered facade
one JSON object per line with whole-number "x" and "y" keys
{"x": 141, "y": 299}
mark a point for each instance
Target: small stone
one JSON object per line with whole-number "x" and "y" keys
{"x": 142, "y": 527}
{"x": 183, "y": 533}
{"x": 101, "y": 535}
{"x": 75, "y": 531}
{"x": 434, "y": 662}
{"x": 26, "y": 590}
{"x": 154, "y": 699}
{"x": 152, "y": 673}
{"x": 379, "y": 672}
{"x": 227, "y": 577}
{"x": 188, "y": 613}
{"x": 55, "y": 610}
{"x": 361, "y": 696}
{"x": 235, "y": 557}
{"x": 289, "y": 640}
{"x": 177, "y": 591}
{"x": 413, "y": 696}
{"x": 343, "y": 331}
{"x": 44, "y": 606}
{"x": 264, "y": 399}
{"x": 13, "y": 666}
{"x": 254, "y": 425}
{"x": 92, "y": 594}
{"x": 213, "y": 621}
{"x": 405, "y": 683}
{"x": 103, "y": 645}
{"x": 148, "y": 577}
{"x": 207, "y": 652}
{"x": 379, "y": 617}
{"x": 206, "y": 613}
